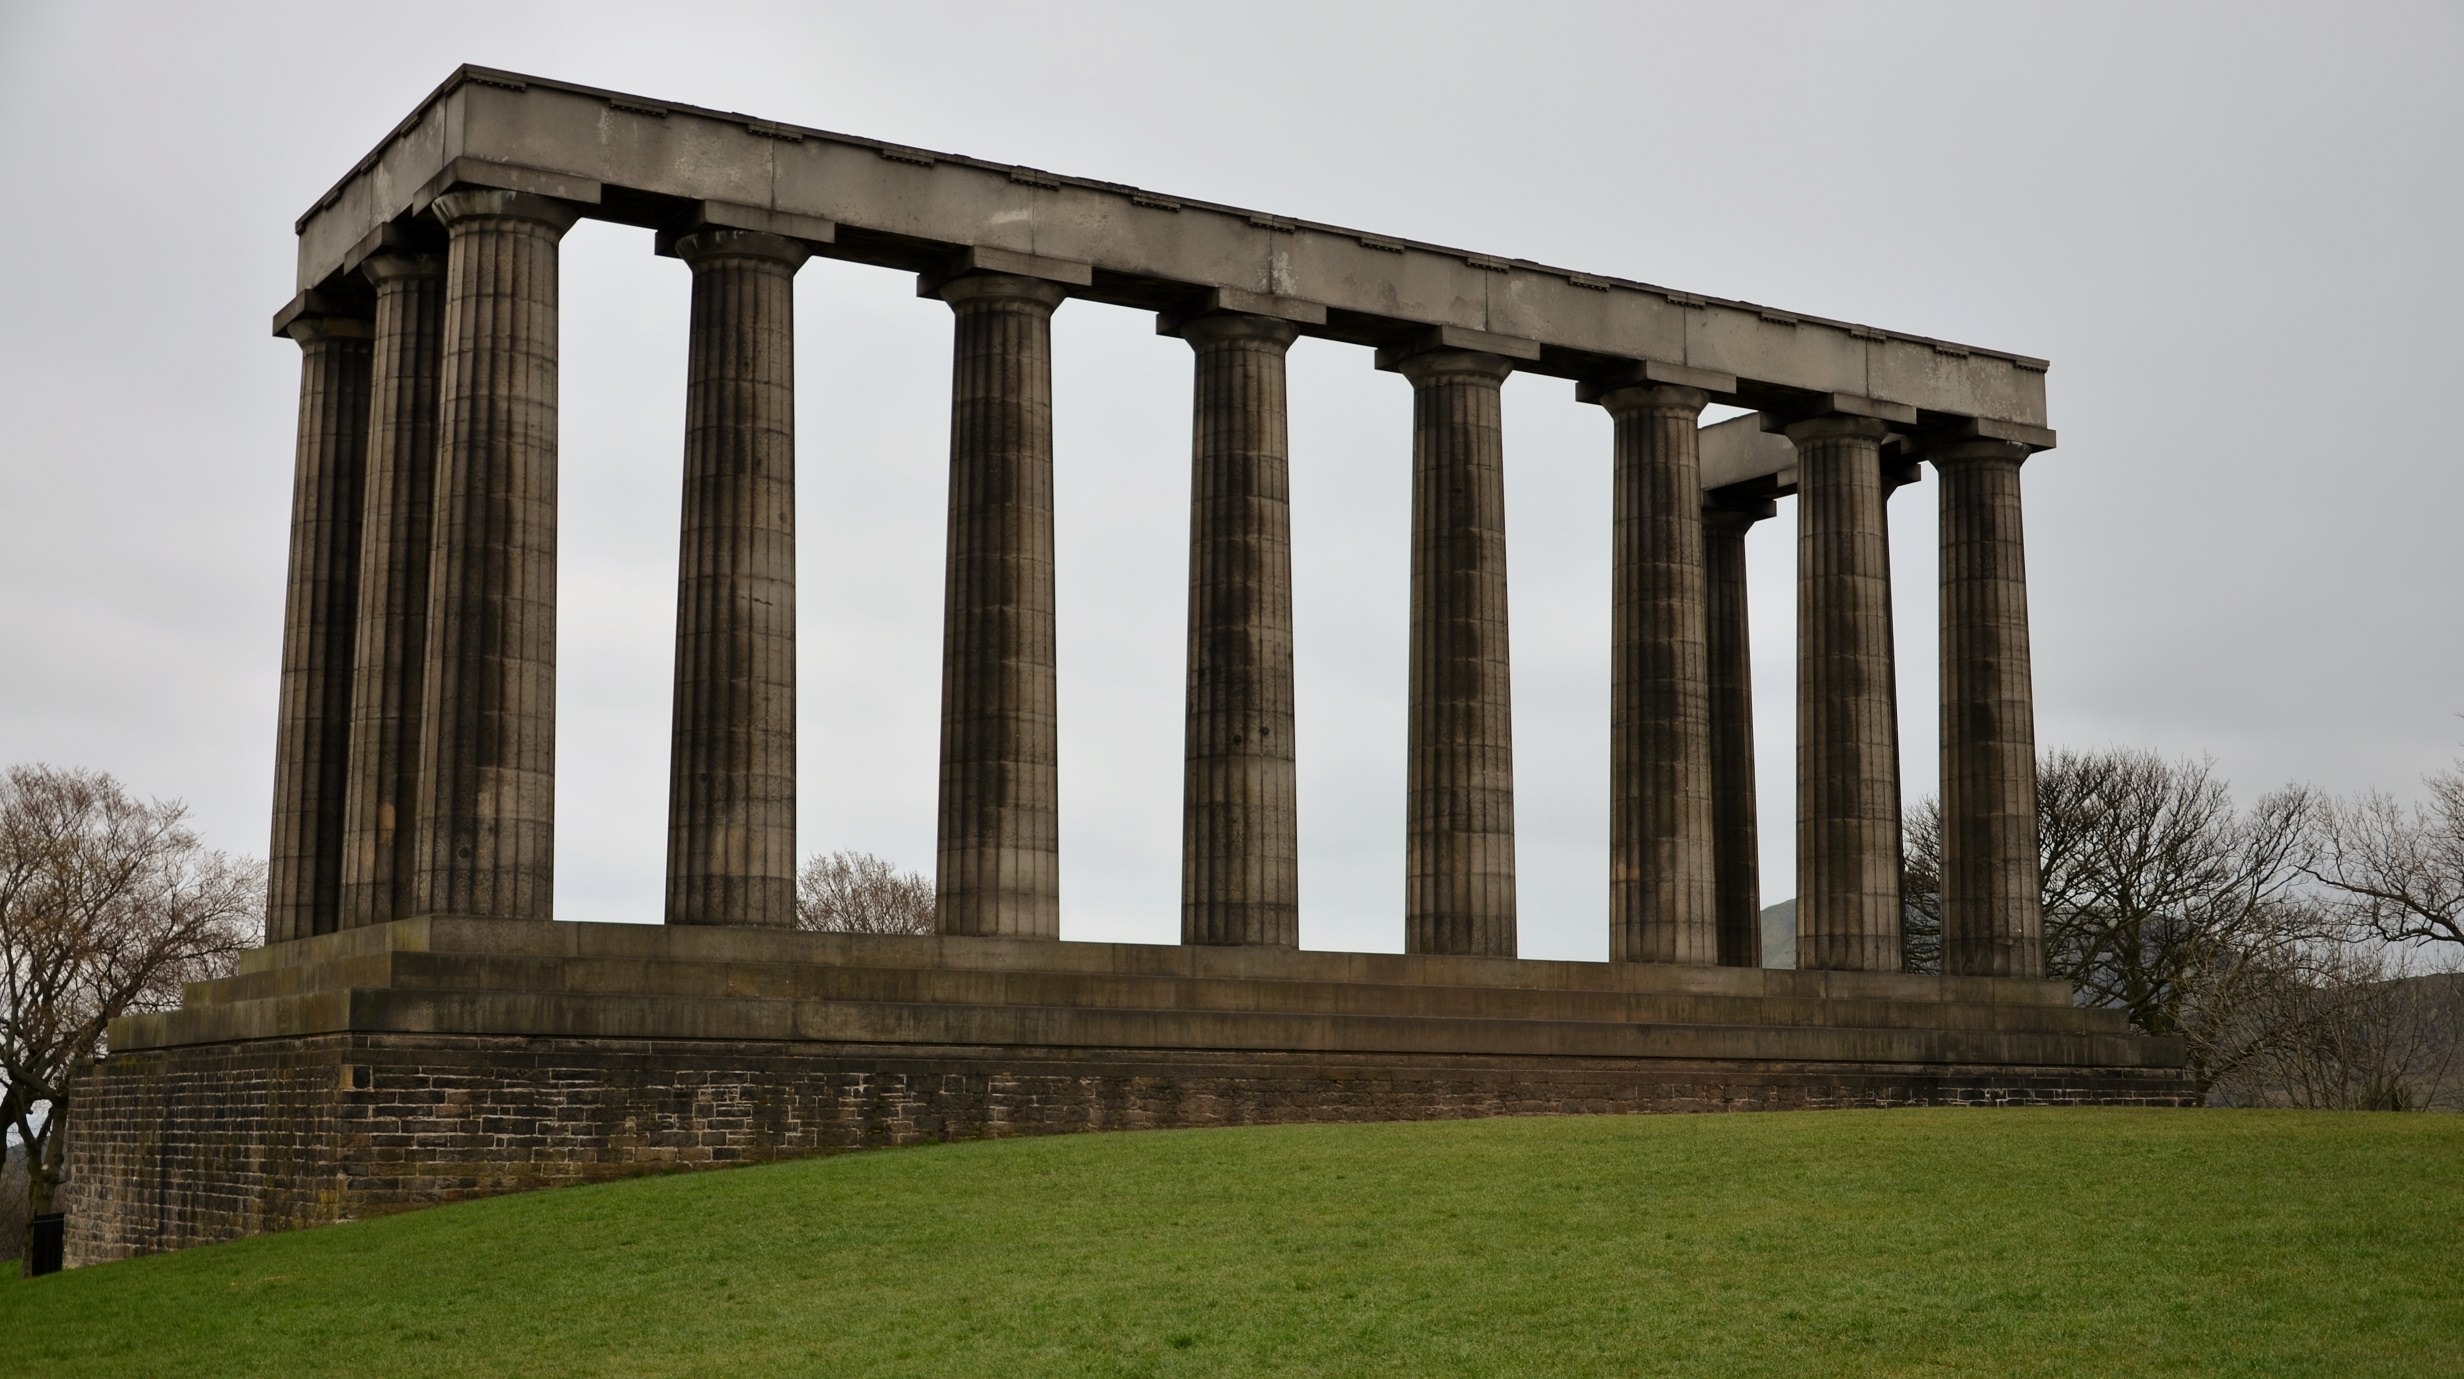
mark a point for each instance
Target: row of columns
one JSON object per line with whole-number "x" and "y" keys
{"x": 415, "y": 757}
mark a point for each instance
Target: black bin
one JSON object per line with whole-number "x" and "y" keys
{"x": 50, "y": 1243}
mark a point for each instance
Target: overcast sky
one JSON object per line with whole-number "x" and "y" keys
{"x": 2232, "y": 228}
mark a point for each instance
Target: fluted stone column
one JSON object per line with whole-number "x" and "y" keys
{"x": 1240, "y": 850}
{"x": 1736, "y": 847}
{"x": 1661, "y": 870}
{"x": 1992, "y": 905}
{"x": 320, "y": 606}
{"x": 999, "y": 855}
{"x": 487, "y": 804}
{"x": 731, "y": 821}
{"x": 1848, "y": 893}
{"x": 378, "y": 858}
{"x": 1459, "y": 788}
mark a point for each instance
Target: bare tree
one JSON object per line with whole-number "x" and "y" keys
{"x": 2161, "y": 900}
{"x": 1920, "y": 886}
{"x": 858, "y": 893}
{"x": 2363, "y": 1032}
{"x": 107, "y": 905}
{"x": 2399, "y": 871}
{"x": 13, "y": 1215}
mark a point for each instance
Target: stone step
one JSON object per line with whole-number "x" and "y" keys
{"x": 666, "y": 943}
{"x": 918, "y": 985}
{"x": 535, "y": 1015}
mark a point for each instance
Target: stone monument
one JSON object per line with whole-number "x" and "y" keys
{"x": 417, "y": 1030}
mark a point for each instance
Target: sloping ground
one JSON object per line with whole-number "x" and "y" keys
{"x": 2055, "y": 1242}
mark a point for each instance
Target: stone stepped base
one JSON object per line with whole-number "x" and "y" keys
{"x": 439, "y": 1058}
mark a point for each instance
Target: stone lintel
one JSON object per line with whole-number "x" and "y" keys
{"x": 1743, "y": 450}
{"x": 1007, "y": 262}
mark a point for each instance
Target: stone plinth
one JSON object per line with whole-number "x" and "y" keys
{"x": 430, "y": 1059}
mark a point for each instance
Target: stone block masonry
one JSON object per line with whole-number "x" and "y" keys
{"x": 397, "y": 1065}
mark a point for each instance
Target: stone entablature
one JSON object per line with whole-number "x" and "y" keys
{"x": 655, "y": 163}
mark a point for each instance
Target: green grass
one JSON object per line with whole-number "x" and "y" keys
{"x": 2084, "y": 1242}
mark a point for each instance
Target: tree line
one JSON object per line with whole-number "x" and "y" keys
{"x": 2306, "y": 949}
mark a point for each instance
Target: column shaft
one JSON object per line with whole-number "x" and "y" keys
{"x": 487, "y": 804}
{"x": 313, "y": 722}
{"x": 1848, "y": 893}
{"x": 1661, "y": 901}
{"x": 1240, "y": 855}
{"x": 999, "y": 855}
{"x": 1459, "y": 790}
{"x": 378, "y": 859}
{"x": 1992, "y": 905}
{"x": 731, "y": 832}
{"x": 1736, "y": 849}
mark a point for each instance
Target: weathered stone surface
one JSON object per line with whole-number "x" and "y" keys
{"x": 192, "y": 1146}
{"x": 553, "y": 138}
{"x": 1240, "y": 838}
{"x": 487, "y": 802}
{"x": 1992, "y": 917}
{"x": 1662, "y": 869}
{"x": 312, "y": 733}
{"x": 390, "y": 679}
{"x": 999, "y": 854}
{"x": 731, "y": 832}
{"x": 1459, "y": 777}
{"x": 1848, "y": 893}
{"x": 432, "y": 1058}
{"x": 1736, "y": 847}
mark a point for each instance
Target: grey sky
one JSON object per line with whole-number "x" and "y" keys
{"x": 2231, "y": 227}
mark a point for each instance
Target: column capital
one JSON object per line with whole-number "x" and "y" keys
{"x": 1662, "y": 399}
{"x": 318, "y": 330}
{"x": 1814, "y": 407}
{"x": 1962, "y": 451}
{"x": 325, "y": 315}
{"x": 489, "y": 203}
{"x": 973, "y": 288}
{"x": 718, "y": 245}
{"x": 1052, "y": 276}
{"x": 1727, "y": 511}
{"x": 1959, "y": 431}
{"x": 1598, "y": 387}
{"x": 1833, "y": 426}
{"x": 1431, "y": 366}
{"x": 1502, "y": 351}
{"x": 392, "y": 266}
{"x": 1233, "y": 301}
{"x": 1223, "y": 326}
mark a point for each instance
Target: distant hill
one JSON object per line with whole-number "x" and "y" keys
{"x": 1779, "y": 934}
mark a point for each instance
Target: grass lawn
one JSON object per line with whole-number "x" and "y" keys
{"x": 2041, "y": 1242}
